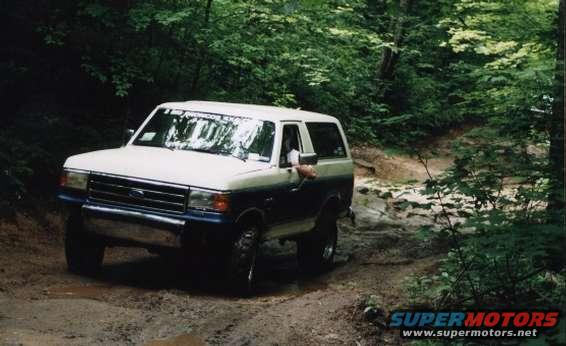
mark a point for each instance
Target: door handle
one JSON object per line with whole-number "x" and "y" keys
{"x": 298, "y": 187}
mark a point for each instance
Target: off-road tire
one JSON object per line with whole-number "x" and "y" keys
{"x": 242, "y": 261}
{"x": 315, "y": 250}
{"x": 84, "y": 252}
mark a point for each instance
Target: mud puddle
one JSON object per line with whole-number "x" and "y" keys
{"x": 99, "y": 292}
{"x": 179, "y": 340}
{"x": 96, "y": 292}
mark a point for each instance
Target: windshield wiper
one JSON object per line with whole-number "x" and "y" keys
{"x": 170, "y": 147}
{"x": 201, "y": 150}
{"x": 226, "y": 152}
{"x": 221, "y": 152}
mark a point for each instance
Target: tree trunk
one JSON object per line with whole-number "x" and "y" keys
{"x": 202, "y": 53}
{"x": 390, "y": 57}
{"x": 556, "y": 152}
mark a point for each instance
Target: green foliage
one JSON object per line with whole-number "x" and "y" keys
{"x": 35, "y": 147}
{"x": 511, "y": 59}
{"x": 318, "y": 57}
{"x": 123, "y": 58}
{"x": 505, "y": 248}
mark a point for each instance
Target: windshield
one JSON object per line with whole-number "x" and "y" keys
{"x": 244, "y": 138}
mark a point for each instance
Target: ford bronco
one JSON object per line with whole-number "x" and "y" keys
{"x": 212, "y": 174}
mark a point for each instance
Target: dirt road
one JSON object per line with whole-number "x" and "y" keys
{"x": 143, "y": 299}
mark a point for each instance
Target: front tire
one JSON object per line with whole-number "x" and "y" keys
{"x": 84, "y": 253}
{"x": 242, "y": 261}
{"x": 315, "y": 251}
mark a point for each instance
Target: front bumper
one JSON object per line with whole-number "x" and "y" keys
{"x": 133, "y": 226}
{"x": 129, "y": 226}
{"x": 137, "y": 227}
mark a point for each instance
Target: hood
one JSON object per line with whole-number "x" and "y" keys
{"x": 173, "y": 166}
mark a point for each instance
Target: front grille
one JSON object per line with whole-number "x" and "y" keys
{"x": 137, "y": 193}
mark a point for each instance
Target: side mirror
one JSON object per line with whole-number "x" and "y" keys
{"x": 127, "y": 135}
{"x": 308, "y": 159}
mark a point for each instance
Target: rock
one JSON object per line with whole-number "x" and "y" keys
{"x": 373, "y": 311}
{"x": 367, "y": 165}
{"x": 363, "y": 189}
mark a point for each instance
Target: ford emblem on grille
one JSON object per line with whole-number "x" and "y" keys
{"x": 134, "y": 193}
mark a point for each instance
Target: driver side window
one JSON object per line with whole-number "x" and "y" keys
{"x": 290, "y": 146}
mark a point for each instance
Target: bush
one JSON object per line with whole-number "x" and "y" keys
{"x": 506, "y": 252}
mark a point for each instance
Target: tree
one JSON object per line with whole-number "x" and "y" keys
{"x": 506, "y": 171}
{"x": 556, "y": 128}
{"x": 391, "y": 52}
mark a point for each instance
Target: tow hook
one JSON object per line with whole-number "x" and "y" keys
{"x": 351, "y": 215}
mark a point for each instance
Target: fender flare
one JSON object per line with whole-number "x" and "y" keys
{"x": 333, "y": 199}
{"x": 252, "y": 212}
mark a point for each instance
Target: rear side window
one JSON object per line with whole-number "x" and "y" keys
{"x": 326, "y": 140}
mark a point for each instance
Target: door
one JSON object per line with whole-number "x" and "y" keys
{"x": 291, "y": 147}
{"x": 290, "y": 201}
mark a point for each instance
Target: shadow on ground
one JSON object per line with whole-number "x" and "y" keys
{"x": 277, "y": 274}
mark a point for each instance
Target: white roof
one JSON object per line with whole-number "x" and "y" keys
{"x": 250, "y": 111}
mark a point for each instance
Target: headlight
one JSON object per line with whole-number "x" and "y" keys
{"x": 208, "y": 200}
{"x": 74, "y": 179}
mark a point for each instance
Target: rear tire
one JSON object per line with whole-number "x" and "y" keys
{"x": 84, "y": 253}
{"x": 242, "y": 262}
{"x": 315, "y": 251}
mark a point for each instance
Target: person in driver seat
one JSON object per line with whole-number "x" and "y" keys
{"x": 291, "y": 147}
